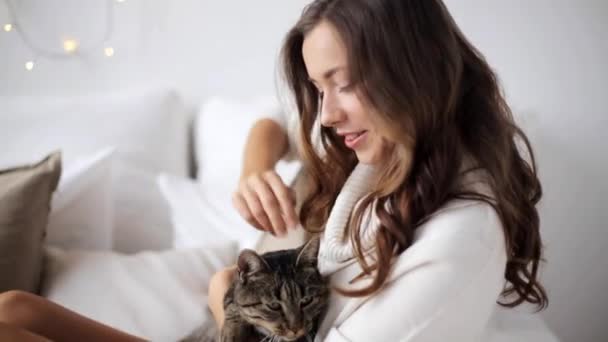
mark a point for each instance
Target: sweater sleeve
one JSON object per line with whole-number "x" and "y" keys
{"x": 446, "y": 286}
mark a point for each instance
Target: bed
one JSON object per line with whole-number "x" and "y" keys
{"x": 142, "y": 216}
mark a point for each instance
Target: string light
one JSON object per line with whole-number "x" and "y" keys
{"x": 70, "y": 45}
{"x": 108, "y": 51}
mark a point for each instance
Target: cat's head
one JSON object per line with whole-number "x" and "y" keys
{"x": 282, "y": 292}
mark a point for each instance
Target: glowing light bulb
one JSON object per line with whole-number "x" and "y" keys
{"x": 108, "y": 51}
{"x": 29, "y": 65}
{"x": 119, "y": 1}
{"x": 70, "y": 45}
{"x": 8, "y": 27}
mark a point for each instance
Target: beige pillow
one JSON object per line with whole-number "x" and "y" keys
{"x": 25, "y": 198}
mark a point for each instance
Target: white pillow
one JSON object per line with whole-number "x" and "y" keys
{"x": 81, "y": 214}
{"x": 160, "y": 296}
{"x": 221, "y": 130}
{"x": 203, "y": 216}
{"x": 148, "y": 126}
{"x": 103, "y": 204}
{"x": 142, "y": 216}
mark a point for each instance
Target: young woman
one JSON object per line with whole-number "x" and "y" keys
{"x": 426, "y": 205}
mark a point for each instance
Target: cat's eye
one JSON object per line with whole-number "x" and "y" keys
{"x": 274, "y": 306}
{"x": 305, "y": 301}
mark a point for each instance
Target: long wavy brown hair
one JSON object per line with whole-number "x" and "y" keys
{"x": 440, "y": 102}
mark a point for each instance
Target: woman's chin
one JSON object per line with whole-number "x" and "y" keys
{"x": 366, "y": 158}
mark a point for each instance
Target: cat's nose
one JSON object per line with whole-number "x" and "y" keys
{"x": 296, "y": 332}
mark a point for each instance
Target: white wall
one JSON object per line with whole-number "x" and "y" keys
{"x": 203, "y": 47}
{"x": 550, "y": 55}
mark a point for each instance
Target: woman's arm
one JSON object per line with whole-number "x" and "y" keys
{"x": 218, "y": 285}
{"x": 266, "y": 144}
{"x": 288, "y": 119}
{"x": 445, "y": 288}
{"x": 262, "y": 198}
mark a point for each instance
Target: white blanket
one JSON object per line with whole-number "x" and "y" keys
{"x": 160, "y": 296}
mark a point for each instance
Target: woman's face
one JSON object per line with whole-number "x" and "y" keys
{"x": 326, "y": 61}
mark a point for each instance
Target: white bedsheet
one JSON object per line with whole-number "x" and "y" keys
{"x": 161, "y": 296}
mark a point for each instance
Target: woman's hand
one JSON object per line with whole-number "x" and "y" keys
{"x": 218, "y": 285}
{"x": 264, "y": 201}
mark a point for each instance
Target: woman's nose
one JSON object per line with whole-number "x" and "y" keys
{"x": 331, "y": 113}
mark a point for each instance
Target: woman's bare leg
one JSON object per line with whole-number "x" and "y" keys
{"x": 11, "y": 333}
{"x": 42, "y": 317}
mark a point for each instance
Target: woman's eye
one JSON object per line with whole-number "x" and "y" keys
{"x": 305, "y": 301}
{"x": 346, "y": 88}
{"x": 274, "y": 306}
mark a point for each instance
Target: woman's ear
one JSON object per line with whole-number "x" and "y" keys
{"x": 249, "y": 263}
{"x": 308, "y": 253}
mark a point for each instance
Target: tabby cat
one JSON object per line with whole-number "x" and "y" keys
{"x": 277, "y": 296}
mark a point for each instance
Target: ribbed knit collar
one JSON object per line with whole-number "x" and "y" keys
{"x": 336, "y": 247}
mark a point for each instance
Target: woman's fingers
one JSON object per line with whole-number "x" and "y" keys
{"x": 285, "y": 198}
{"x": 238, "y": 201}
{"x": 266, "y": 202}
{"x": 251, "y": 193}
{"x": 271, "y": 205}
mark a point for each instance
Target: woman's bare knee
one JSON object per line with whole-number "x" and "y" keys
{"x": 42, "y": 317}
{"x": 11, "y": 333}
{"x": 18, "y": 308}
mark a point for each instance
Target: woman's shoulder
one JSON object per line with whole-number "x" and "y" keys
{"x": 473, "y": 221}
{"x": 464, "y": 235}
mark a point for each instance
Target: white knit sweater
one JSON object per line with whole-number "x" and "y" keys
{"x": 335, "y": 249}
{"x": 444, "y": 287}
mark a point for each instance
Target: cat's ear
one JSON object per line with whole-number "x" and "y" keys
{"x": 307, "y": 256}
{"x": 249, "y": 263}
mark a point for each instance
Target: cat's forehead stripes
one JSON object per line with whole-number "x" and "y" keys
{"x": 282, "y": 282}
{"x": 289, "y": 290}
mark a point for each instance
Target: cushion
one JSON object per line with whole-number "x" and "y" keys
{"x": 160, "y": 296}
{"x": 147, "y": 125}
{"x": 203, "y": 216}
{"x": 142, "y": 217}
{"x": 221, "y": 130}
{"x": 25, "y": 197}
{"x": 149, "y": 128}
{"x": 82, "y": 213}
